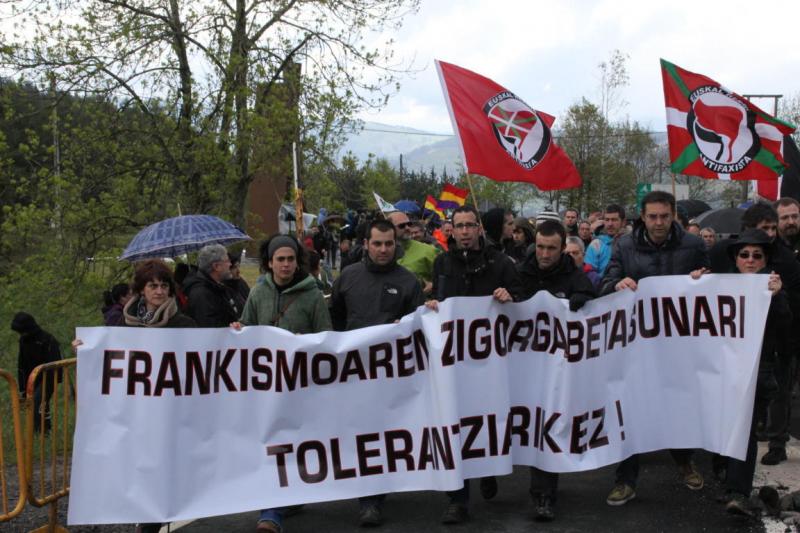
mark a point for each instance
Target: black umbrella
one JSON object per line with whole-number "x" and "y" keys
{"x": 693, "y": 207}
{"x": 726, "y": 220}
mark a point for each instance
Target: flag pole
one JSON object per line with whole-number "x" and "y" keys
{"x": 474, "y": 200}
{"x": 298, "y": 197}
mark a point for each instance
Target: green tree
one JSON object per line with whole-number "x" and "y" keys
{"x": 212, "y": 64}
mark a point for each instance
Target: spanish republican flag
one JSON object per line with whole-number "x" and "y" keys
{"x": 502, "y": 137}
{"x": 452, "y": 197}
{"x": 432, "y": 205}
{"x": 716, "y": 134}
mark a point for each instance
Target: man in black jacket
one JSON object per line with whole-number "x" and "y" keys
{"x": 471, "y": 268}
{"x": 550, "y": 269}
{"x": 212, "y": 304}
{"x": 374, "y": 291}
{"x": 657, "y": 246}
{"x": 36, "y": 347}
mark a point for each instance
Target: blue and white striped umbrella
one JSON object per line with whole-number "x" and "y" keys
{"x": 179, "y": 235}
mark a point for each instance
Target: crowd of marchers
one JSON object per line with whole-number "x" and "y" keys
{"x": 390, "y": 265}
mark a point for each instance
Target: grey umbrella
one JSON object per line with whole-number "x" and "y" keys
{"x": 726, "y": 220}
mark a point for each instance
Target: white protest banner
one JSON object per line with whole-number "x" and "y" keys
{"x": 178, "y": 424}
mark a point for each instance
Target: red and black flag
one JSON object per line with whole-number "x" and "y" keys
{"x": 502, "y": 137}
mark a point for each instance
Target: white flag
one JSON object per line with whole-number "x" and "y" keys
{"x": 383, "y": 205}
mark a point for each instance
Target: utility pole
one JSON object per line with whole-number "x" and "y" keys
{"x": 56, "y": 154}
{"x": 775, "y": 98}
{"x": 401, "y": 167}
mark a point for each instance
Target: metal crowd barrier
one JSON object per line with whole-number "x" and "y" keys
{"x": 7, "y": 512}
{"x": 50, "y": 423}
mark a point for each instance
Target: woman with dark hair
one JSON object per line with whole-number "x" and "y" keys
{"x": 286, "y": 297}
{"x": 524, "y": 234}
{"x": 153, "y": 305}
{"x": 115, "y": 301}
{"x": 751, "y": 254}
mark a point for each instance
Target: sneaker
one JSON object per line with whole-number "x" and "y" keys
{"x": 456, "y": 513}
{"x": 774, "y": 456}
{"x": 691, "y": 477}
{"x": 621, "y": 494}
{"x": 544, "y": 511}
{"x": 739, "y": 505}
{"x": 488, "y": 487}
{"x": 370, "y": 516}
{"x": 267, "y": 526}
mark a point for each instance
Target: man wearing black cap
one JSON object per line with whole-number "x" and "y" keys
{"x": 657, "y": 246}
{"x": 36, "y": 347}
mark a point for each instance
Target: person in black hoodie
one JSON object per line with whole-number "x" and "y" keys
{"x": 36, "y": 347}
{"x": 212, "y": 304}
{"x": 549, "y": 269}
{"x": 498, "y": 227}
{"x": 470, "y": 267}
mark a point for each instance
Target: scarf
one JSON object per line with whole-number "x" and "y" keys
{"x": 149, "y": 319}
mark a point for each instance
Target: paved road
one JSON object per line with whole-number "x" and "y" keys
{"x": 662, "y": 505}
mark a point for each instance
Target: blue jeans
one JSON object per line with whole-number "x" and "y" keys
{"x": 272, "y": 515}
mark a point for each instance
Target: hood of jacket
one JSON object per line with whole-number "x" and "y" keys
{"x": 24, "y": 323}
{"x": 303, "y": 282}
{"x": 196, "y": 279}
{"x": 565, "y": 265}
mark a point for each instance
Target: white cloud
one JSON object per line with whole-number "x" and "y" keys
{"x": 547, "y": 52}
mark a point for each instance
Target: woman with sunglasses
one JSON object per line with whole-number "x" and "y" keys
{"x": 750, "y": 254}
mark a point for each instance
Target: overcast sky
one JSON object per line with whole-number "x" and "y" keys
{"x": 547, "y": 52}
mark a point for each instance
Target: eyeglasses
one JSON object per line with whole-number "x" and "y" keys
{"x": 403, "y": 225}
{"x": 747, "y": 255}
{"x": 469, "y": 225}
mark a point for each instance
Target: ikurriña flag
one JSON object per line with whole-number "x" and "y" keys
{"x": 716, "y": 134}
{"x": 501, "y": 136}
{"x": 452, "y": 197}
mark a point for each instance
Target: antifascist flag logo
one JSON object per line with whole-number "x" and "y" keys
{"x": 723, "y": 128}
{"x": 715, "y": 133}
{"x": 518, "y": 129}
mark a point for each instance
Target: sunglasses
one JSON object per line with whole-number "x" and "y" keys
{"x": 747, "y": 255}
{"x": 403, "y": 225}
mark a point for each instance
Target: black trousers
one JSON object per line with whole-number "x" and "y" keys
{"x": 628, "y": 470}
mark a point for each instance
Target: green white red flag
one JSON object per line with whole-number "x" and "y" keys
{"x": 501, "y": 137}
{"x": 716, "y": 134}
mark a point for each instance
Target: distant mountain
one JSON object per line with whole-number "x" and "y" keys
{"x": 384, "y": 140}
{"x": 421, "y": 150}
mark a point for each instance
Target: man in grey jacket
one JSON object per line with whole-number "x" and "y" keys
{"x": 657, "y": 246}
{"x": 374, "y": 291}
